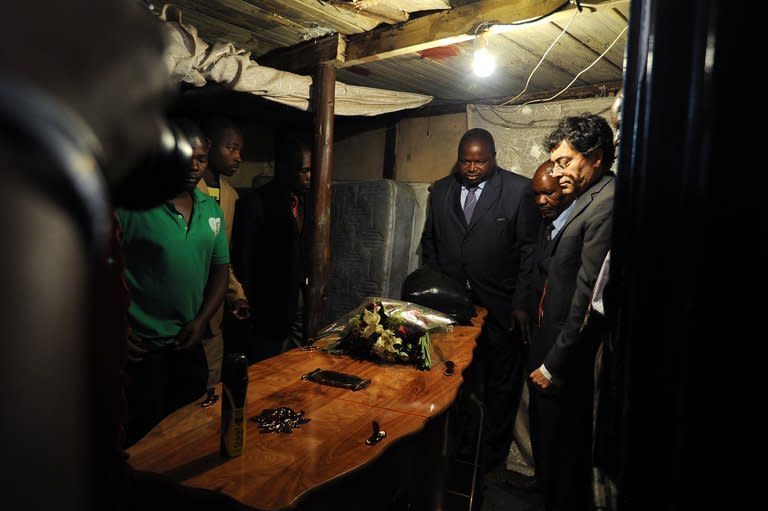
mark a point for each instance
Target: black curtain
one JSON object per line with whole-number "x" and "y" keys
{"x": 684, "y": 259}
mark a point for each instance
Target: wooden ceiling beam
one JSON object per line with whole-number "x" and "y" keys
{"x": 303, "y": 58}
{"x": 443, "y": 28}
{"x": 379, "y": 11}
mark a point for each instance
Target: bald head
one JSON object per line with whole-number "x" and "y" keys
{"x": 477, "y": 156}
{"x": 547, "y": 192}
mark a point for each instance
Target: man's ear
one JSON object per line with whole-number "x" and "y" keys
{"x": 597, "y": 157}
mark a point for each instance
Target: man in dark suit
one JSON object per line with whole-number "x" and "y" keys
{"x": 554, "y": 208}
{"x": 269, "y": 248}
{"x": 480, "y": 230}
{"x": 561, "y": 357}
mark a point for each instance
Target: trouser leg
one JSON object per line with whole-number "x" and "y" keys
{"x": 503, "y": 363}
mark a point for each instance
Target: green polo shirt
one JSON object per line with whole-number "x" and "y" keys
{"x": 167, "y": 265}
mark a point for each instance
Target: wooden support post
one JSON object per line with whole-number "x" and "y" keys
{"x": 320, "y": 199}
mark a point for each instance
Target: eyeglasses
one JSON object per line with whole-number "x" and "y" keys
{"x": 561, "y": 164}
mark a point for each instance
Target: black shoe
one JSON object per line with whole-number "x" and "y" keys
{"x": 210, "y": 398}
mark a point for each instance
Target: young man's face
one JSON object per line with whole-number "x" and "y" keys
{"x": 225, "y": 152}
{"x": 304, "y": 173}
{"x": 198, "y": 165}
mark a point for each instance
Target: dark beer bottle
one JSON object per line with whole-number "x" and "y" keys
{"x": 234, "y": 385}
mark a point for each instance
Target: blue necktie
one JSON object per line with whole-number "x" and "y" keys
{"x": 470, "y": 203}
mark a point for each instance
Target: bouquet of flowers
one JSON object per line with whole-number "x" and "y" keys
{"x": 389, "y": 330}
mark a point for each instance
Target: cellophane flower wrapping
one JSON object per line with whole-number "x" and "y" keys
{"x": 388, "y": 330}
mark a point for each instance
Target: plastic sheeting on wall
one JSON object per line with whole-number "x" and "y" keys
{"x": 192, "y": 60}
{"x": 520, "y": 129}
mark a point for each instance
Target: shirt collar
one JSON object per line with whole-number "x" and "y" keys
{"x": 480, "y": 186}
{"x": 198, "y": 196}
{"x": 559, "y": 222}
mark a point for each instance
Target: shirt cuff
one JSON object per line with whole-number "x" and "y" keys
{"x": 545, "y": 372}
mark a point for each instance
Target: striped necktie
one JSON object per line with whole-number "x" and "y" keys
{"x": 470, "y": 203}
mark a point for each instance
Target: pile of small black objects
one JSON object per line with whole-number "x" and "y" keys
{"x": 279, "y": 420}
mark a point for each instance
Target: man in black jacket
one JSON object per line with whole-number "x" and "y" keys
{"x": 269, "y": 251}
{"x": 480, "y": 230}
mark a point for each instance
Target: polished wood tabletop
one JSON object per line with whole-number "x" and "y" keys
{"x": 276, "y": 469}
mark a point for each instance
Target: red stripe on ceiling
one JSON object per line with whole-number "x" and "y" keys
{"x": 441, "y": 52}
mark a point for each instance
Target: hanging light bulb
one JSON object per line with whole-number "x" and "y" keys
{"x": 484, "y": 62}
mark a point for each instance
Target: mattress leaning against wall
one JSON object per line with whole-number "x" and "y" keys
{"x": 371, "y": 233}
{"x": 421, "y": 192}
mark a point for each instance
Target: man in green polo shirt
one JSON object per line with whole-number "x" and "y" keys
{"x": 176, "y": 268}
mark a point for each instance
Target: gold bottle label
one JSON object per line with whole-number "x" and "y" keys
{"x": 232, "y": 427}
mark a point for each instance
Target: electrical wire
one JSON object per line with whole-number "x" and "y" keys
{"x": 535, "y": 123}
{"x": 505, "y": 123}
{"x": 552, "y": 45}
{"x": 485, "y": 25}
{"x": 489, "y": 24}
{"x": 580, "y": 72}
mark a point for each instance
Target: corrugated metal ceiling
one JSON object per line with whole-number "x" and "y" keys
{"x": 262, "y": 26}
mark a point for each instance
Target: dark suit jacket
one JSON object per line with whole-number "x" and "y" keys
{"x": 269, "y": 257}
{"x": 494, "y": 253}
{"x": 542, "y": 257}
{"x": 576, "y": 256}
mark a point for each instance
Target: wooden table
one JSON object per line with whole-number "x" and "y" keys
{"x": 276, "y": 470}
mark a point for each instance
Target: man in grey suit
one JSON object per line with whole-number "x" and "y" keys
{"x": 480, "y": 230}
{"x": 561, "y": 357}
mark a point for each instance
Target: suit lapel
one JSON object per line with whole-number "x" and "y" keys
{"x": 488, "y": 198}
{"x": 452, "y": 202}
{"x": 581, "y": 204}
{"x": 453, "y": 198}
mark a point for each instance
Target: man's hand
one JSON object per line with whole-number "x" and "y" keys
{"x": 540, "y": 380}
{"x": 135, "y": 351}
{"x": 519, "y": 322}
{"x": 190, "y": 334}
{"x": 241, "y": 309}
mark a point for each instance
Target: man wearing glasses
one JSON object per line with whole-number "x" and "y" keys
{"x": 561, "y": 357}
